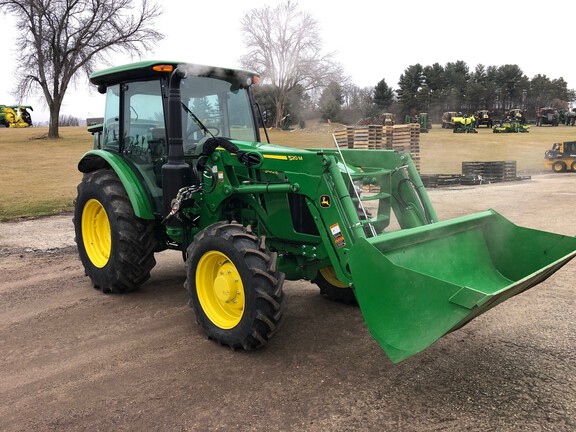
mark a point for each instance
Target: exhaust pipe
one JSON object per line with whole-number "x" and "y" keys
{"x": 176, "y": 173}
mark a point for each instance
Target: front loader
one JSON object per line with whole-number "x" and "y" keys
{"x": 178, "y": 163}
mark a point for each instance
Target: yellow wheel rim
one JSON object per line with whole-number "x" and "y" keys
{"x": 330, "y": 275}
{"x": 96, "y": 233}
{"x": 220, "y": 290}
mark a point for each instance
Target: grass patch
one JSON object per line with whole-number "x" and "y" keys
{"x": 442, "y": 151}
{"x": 39, "y": 177}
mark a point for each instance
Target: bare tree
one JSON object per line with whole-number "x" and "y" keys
{"x": 68, "y": 120}
{"x": 284, "y": 45}
{"x": 63, "y": 37}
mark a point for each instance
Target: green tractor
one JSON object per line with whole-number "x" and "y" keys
{"x": 178, "y": 163}
{"x": 547, "y": 116}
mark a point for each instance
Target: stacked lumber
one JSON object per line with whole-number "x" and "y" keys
{"x": 388, "y": 137}
{"x": 399, "y": 138}
{"x": 414, "y": 149}
{"x": 374, "y": 137}
{"x": 361, "y": 138}
{"x": 403, "y": 139}
{"x": 342, "y": 138}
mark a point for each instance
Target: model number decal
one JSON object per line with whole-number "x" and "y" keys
{"x": 283, "y": 157}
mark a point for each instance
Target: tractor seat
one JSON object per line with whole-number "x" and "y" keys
{"x": 157, "y": 143}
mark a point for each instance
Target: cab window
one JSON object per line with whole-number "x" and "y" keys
{"x": 111, "y": 132}
{"x": 222, "y": 106}
{"x": 144, "y": 140}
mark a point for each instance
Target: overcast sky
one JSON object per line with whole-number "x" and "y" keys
{"x": 372, "y": 40}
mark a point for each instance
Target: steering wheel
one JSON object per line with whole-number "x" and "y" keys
{"x": 213, "y": 129}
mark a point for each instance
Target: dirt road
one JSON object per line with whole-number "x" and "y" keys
{"x": 74, "y": 359}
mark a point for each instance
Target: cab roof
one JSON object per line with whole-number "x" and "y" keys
{"x": 145, "y": 70}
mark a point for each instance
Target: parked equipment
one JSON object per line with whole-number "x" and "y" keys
{"x": 464, "y": 124}
{"x": 15, "y": 116}
{"x": 562, "y": 157}
{"x": 547, "y": 116}
{"x": 384, "y": 119}
{"x": 510, "y": 125}
{"x": 178, "y": 164}
{"x": 388, "y": 119}
{"x": 420, "y": 119}
{"x": 517, "y": 115}
{"x": 447, "y": 122}
{"x": 570, "y": 117}
{"x": 484, "y": 118}
{"x": 514, "y": 122}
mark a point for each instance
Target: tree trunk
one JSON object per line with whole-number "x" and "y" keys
{"x": 53, "y": 124}
{"x": 279, "y": 112}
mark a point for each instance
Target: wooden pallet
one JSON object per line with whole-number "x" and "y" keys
{"x": 437, "y": 180}
{"x": 341, "y": 137}
{"x": 491, "y": 171}
{"x": 399, "y": 138}
{"x": 361, "y": 138}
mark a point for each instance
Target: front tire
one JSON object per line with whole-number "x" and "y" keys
{"x": 115, "y": 247}
{"x": 234, "y": 286}
{"x": 332, "y": 289}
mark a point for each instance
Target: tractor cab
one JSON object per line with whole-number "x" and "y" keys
{"x": 207, "y": 102}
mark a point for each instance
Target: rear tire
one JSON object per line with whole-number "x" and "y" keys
{"x": 234, "y": 286}
{"x": 115, "y": 247}
{"x": 559, "y": 167}
{"x": 573, "y": 166}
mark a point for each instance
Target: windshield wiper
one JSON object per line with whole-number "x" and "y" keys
{"x": 197, "y": 120}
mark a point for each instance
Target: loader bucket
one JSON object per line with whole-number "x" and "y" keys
{"x": 416, "y": 285}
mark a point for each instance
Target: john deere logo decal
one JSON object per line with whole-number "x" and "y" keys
{"x": 324, "y": 201}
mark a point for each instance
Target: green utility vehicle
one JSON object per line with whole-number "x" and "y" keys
{"x": 178, "y": 163}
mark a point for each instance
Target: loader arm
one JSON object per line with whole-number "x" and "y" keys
{"x": 413, "y": 284}
{"x": 316, "y": 186}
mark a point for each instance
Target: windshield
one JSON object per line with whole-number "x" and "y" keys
{"x": 221, "y": 106}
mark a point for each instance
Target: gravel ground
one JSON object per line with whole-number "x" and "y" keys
{"x": 72, "y": 358}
